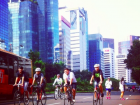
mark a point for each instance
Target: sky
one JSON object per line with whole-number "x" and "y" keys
{"x": 112, "y": 18}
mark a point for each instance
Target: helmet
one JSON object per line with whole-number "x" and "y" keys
{"x": 96, "y": 65}
{"x": 37, "y": 69}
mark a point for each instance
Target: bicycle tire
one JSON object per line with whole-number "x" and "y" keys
{"x": 34, "y": 98}
{"x": 43, "y": 101}
{"x": 66, "y": 99}
{"x": 95, "y": 101}
{"x": 17, "y": 98}
{"x": 26, "y": 100}
{"x": 101, "y": 101}
{"x": 56, "y": 94}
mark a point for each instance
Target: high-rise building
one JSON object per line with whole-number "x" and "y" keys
{"x": 78, "y": 21}
{"x": 108, "y": 43}
{"x": 57, "y": 53}
{"x": 64, "y": 41}
{"x": 48, "y": 28}
{"x": 96, "y": 55}
{"x": 124, "y": 46}
{"x": 23, "y": 26}
{"x": 4, "y": 24}
{"x": 121, "y": 70}
{"x": 109, "y": 62}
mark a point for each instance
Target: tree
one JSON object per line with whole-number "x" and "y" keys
{"x": 133, "y": 60}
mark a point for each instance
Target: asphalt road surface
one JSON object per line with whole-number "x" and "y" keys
{"x": 132, "y": 98}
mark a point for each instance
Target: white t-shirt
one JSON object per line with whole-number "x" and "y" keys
{"x": 121, "y": 87}
{"x": 108, "y": 84}
{"x": 58, "y": 81}
{"x": 70, "y": 76}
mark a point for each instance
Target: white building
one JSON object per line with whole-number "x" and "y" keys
{"x": 109, "y": 62}
{"x": 56, "y": 53}
{"x": 64, "y": 41}
{"x": 121, "y": 70}
{"x": 2, "y": 44}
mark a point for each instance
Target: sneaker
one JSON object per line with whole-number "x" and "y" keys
{"x": 109, "y": 98}
{"x": 44, "y": 96}
{"x": 106, "y": 97}
{"x": 74, "y": 100}
{"x": 122, "y": 99}
{"x": 102, "y": 95}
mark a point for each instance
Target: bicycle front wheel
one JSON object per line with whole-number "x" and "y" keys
{"x": 101, "y": 101}
{"x": 17, "y": 98}
{"x": 66, "y": 100}
{"x": 43, "y": 101}
{"x": 56, "y": 94}
{"x": 26, "y": 98}
{"x": 34, "y": 98}
{"x": 95, "y": 101}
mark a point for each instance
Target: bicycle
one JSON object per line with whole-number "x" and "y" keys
{"x": 58, "y": 93}
{"x": 37, "y": 92}
{"x": 98, "y": 96}
{"x": 68, "y": 99}
{"x": 18, "y": 96}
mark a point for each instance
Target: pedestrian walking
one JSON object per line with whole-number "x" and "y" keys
{"x": 121, "y": 87}
{"x": 108, "y": 85}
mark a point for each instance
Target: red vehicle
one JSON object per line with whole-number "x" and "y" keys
{"x": 9, "y": 63}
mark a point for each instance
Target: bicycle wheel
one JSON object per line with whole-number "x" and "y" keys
{"x": 43, "y": 101}
{"x": 62, "y": 95}
{"x": 66, "y": 99}
{"x": 17, "y": 98}
{"x": 95, "y": 101}
{"x": 26, "y": 99}
{"x": 101, "y": 101}
{"x": 34, "y": 98}
{"x": 56, "y": 94}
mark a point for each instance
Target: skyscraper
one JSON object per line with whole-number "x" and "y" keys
{"x": 23, "y": 26}
{"x": 78, "y": 20}
{"x": 108, "y": 43}
{"x": 109, "y": 62}
{"x": 4, "y": 24}
{"x": 48, "y": 28}
{"x": 96, "y": 55}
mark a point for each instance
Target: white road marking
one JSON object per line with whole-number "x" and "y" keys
{"x": 120, "y": 104}
{"x": 86, "y": 97}
{"x": 129, "y": 95}
{"x": 54, "y": 104}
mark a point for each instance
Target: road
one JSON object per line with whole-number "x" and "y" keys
{"x": 86, "y": 99}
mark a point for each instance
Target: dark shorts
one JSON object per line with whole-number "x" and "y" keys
{"x": 96, "y": 83}
{"x": 74, "y": 85}
{"x": 109, "y": 90}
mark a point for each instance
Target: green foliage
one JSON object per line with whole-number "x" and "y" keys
{"x": 133, "y": 60}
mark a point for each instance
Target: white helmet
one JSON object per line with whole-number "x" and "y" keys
{"x": 96, "y": 65}
{"x": 37, "y": 69}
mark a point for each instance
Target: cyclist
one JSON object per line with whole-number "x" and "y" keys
{"x": 58, "y": 80}
{"x": 24, "y": 80}
{"x": 69, "y": 79}
{"x": 39, "y": 78}
{"x": 97, "y": 75}
{"x": 108, "y": 85}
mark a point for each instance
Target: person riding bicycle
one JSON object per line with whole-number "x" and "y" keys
{"x": 58, "y": 81}
{"x": 69, "y": 79}
{"x": 97, "y": 75}
{"x": 39, "y": 78}
{"x": 24, "y": 80}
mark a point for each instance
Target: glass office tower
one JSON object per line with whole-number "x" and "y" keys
{"x": 23, "y": 26}
{"x": 96, "y": 55}
{"x": 108, "y": 43}
{"x": 4, "y": 23}
{"x": 48, "y": 28}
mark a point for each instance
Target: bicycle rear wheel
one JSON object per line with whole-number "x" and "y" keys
{"x": 26, "y": 99}
{"x": 95, "y": 100}
{"x": 17, "y": 98}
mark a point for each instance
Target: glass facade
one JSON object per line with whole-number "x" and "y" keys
{"x": 49, "y": 28}
{"x": 108, "y": 43}
{"x": 4, "y": 23}
{"x": 95, "y": 51}
{"x": 23, "y": 27}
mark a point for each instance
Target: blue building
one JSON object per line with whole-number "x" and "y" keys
{"x": 108, "y": 43}
{"x": 48, "y": 28}
{"x": 96, "y": 51}
{"x": 23, "y": 26}
{"x": 4, "y": 23}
